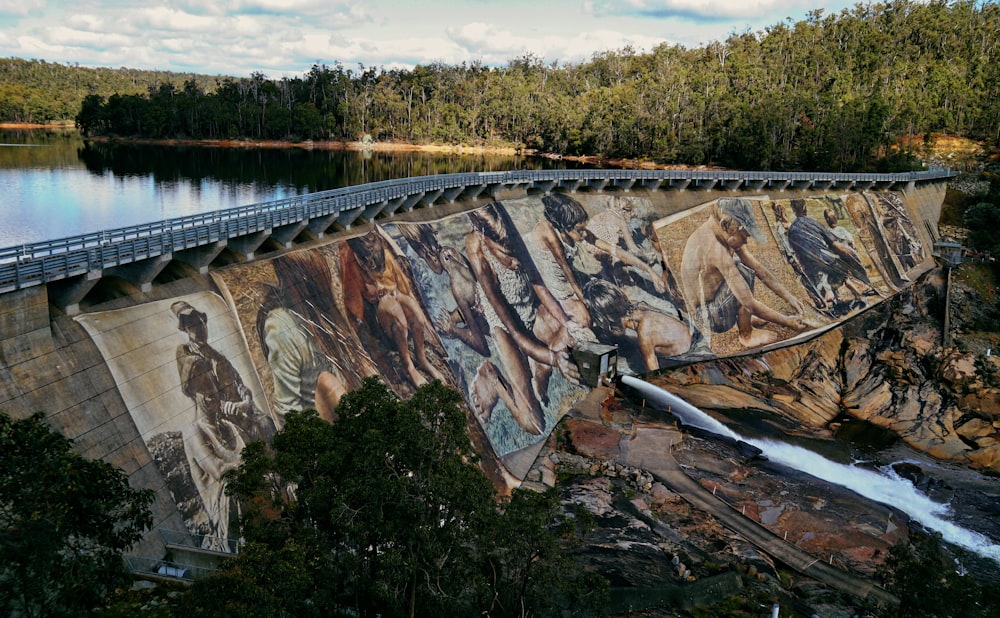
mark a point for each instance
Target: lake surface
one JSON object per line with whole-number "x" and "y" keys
{"x": 53, "y": 184}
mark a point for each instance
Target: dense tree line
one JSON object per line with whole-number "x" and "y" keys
{"x": 832, "y": 91}
{"x": 40, "y": 92}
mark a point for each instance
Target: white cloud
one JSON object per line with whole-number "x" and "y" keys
{"x": 710, "y": 9}
{"x": 69, "y": 37}
{"x": 499, "y": 45}
{"x": 21, "y": 7}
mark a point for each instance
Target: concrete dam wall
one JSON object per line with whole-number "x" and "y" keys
{"x": 496, "y": 299}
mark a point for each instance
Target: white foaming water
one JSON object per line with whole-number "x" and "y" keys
{"x": 886, "y": 487}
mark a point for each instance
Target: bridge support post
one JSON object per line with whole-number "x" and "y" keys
{"x": 201, "y": 257}
{"x": 681, "y": 184}
{"x": 374, "y": 210}
{"x": 597, "y": 184}
{"x": 504, "y": 191}
{"x": 624, "y": 184}
{"x": 652, "y": 184}
{"x": 570, "y": 186}
{"x": 472, "y": 192}
{"x": 319, "y": 225}
{"x": 411, "y": 201}
{"x": 452, "y": 193}
{"x": 347, "y": 217}
{"x": 67, "y": 293}
{"x": 543, "y": 186}
{"x": 141, "y": 274}
{"x": 428, "y": 199}
{"x": 246, "y": 245}
{"x": 287, "y": 233}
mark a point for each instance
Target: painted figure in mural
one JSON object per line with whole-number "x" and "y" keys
{"x": 225, "y": 417}
{"x": 526, "y": 322}
{"x": 900, "y": 233}
{"x": 300, "y": 332}
{"x": 838, "y": 230}
{"x": 374, "y": 280}
{"x": 613, "y": 225}
{"x": 828, "y": 260}
{"x": 465, "y": 321}
{"x": 617, "y": 320}
{"x": 719, "y": 273}
{"x": 568, "y": 253}
{"x": 565, "y": 229}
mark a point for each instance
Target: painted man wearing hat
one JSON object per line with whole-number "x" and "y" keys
{"x": 225, "y": 417}
{"x": 719, "y": 274}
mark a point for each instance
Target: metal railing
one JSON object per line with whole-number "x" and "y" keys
{"x": 41, "y": 262}
{"x": 166, "y": 568}
{"x": 201, "y": 542}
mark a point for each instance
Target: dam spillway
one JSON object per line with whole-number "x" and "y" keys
{"x": 488, "y": 283}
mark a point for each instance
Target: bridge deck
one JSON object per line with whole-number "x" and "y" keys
{"x": 247, "y": 228}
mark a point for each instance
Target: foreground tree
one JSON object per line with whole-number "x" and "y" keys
{"x": 64, "y": 522}
{"x": 385, "y": 512}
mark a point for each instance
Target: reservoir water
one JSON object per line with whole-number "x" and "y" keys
{"x": 53, "y": 184}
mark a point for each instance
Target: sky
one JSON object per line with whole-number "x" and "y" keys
{"x": 284, "y": 38}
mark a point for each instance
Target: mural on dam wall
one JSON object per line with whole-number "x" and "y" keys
{"x": 183, "y": 370}
{"x": 757, "y": 271}
{"x": 492, "y": 301}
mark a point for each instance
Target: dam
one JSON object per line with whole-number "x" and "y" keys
{"x": 144, "y": 344}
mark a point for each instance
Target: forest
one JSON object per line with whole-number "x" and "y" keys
{"x": 833, "y": 91}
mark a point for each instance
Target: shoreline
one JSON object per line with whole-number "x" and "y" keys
{"x": 358, "y": 146}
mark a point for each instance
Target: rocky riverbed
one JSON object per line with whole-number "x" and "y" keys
{"x": 881, "y": 391}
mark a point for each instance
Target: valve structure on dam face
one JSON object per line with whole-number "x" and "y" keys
{"x": 504, "y": 286}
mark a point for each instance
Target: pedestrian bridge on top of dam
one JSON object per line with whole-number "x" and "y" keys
{"x": 72, "y": 267}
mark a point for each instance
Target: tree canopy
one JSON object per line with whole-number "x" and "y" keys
{"x": 832, "y": 92}
{"x": 64, "y": 522}
{"x": 385, "y": 512}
